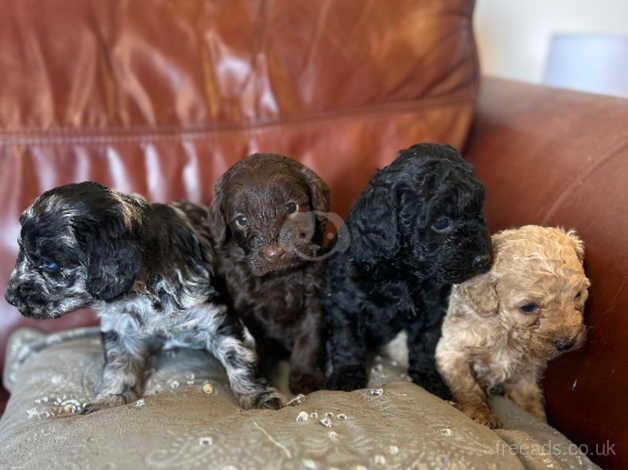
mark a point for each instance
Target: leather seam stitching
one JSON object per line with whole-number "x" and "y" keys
{"x": 146, "y": 133}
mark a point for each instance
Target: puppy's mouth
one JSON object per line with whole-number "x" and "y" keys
{"x": 279, "y": 261}
{"x": 26, "y": 310}
{"x": 563, "y": 345}
{"x": 569, "y": 344}
{"x": 261, "y": 267}
{"x": 35, "y": 311}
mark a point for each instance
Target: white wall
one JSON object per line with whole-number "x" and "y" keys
{"x": 514, "y": 35}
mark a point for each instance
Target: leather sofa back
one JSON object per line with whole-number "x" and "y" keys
{"x": 161, "y": 98}
{"x": 558, "y": 157}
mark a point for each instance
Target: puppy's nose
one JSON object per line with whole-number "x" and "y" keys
{"x": 564, "y": 344}
{"x": 273, "y": 252}
{"x": 10, "y": 295}
{"x": 482, "y": 261}
{"x": 17, "y": 292}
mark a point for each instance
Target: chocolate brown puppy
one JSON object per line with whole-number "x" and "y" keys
{"x": 266, "y": 231}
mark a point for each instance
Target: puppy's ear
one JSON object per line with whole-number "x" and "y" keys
{"x": 577, "y": 243}
{"x": 374, "y": 227}
{"x": 479, "y": 294}
{"x": 113, "y": 260}
{"x": 319, "y": 196}
{"x": 217, "y": 221}
{"x": 319, "y": 192}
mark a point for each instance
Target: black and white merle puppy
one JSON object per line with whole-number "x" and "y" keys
{"x": 146, "y": 269}
{"x": 415, "y": 230}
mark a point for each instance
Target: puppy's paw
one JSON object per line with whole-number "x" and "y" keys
{"x": 432, "y": 382}
{"x": 103, "y": 401}
{"x": 482, "y": 415}
{"x": 304, "y": 382}
{"x": 348, "y": 378}
{"x": 109, "y": 400}
{"x": 269, "y": 399}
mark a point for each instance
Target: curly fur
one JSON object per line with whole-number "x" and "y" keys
{"x": 146, "y": 269}
{"x": 503, "y": 327}
{"x": 415, "y": 230}
{"x": 273, "y": 289}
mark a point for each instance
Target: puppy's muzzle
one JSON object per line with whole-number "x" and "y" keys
{"x": 25, "y": 297}
{"x": 567, "y": 344}
{"x": 482, "y": 263}
{"x": 18, "y": 292}
{"x": 563, "y": 345}
{"x": 11, "y": 295}
{"x": 273, "y": 253}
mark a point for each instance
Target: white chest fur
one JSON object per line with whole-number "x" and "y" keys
{"x": 497, "y": 366}
{"x": 136, "y": 316}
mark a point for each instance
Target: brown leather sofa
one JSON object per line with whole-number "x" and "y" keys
{"x": 558, "y": 157}
{"x": 162, "y": 99}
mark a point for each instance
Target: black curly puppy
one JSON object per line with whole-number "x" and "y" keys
{"x": 416, "y": 230}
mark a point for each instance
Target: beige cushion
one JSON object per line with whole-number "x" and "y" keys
{"x": 179, "y": 425}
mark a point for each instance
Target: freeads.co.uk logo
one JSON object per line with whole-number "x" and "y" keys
{"x": 310, "y": 250}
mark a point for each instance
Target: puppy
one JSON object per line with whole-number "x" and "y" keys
{"x": 266, "y": 234}
{"x": 146, "y": 269}
{"x": 503, "y": 327}
{"x": 415, "y": 230}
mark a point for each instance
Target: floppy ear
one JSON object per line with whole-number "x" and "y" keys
{"x": 374, "y": 226}
{"x": 319, "y": 192}
{"x": 318, "y": 189}
{"x": 113, "y": 261}
{"x": 217, "y": 221}
{"x": 319, "y": 197}
{"x": 479, "y": 294}
{"x": 577, "y": 243}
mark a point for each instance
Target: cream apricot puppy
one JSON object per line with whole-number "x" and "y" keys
{"x": 502, "y": 327}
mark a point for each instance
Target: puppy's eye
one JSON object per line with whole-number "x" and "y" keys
{"x": 529, "y": 308}
{"x": 578, "y": 296}
{"x": 292, "y": 208}
{"x": 241, "y": 221}
{"x": 50, "y": 266}
{"x": 443, "y": 224}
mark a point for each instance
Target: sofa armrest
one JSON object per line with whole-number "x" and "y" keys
{"x": 558, "y": 157}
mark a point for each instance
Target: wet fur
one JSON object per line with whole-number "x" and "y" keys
{"x": 146, "y": 269}
{"x": 488, "y": 343}
{"x": 397, "y": 273}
